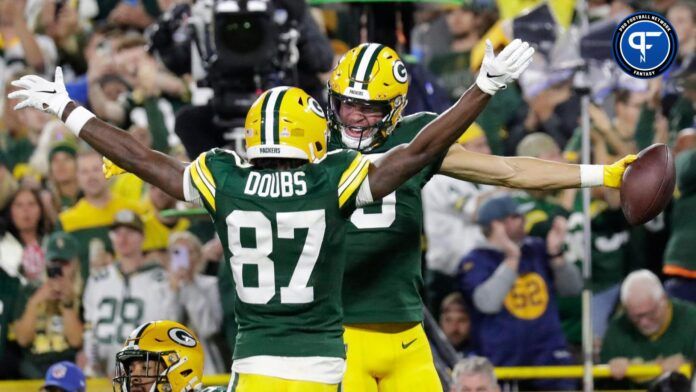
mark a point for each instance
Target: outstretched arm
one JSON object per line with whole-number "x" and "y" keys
{"x": 529, "y": 173}
{"x": 403, "y": 162}
{"x": 116, "y": 144}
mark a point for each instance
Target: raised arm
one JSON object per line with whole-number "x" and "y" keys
{"x": 403, "y": 162}
{"x": 114, "y": 143}
{"x": 529, "y": 173}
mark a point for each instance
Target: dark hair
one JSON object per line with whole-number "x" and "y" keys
{"x": 278, "y": 163}
{"x": 487, "y": 230}
{"x": 7, "y": 225}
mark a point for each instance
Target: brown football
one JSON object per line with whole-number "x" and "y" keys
{"x": 648, "y": 184}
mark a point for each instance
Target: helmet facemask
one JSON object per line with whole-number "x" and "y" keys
{"x": 361, "y": 137}
{"x": 134, "y": 377}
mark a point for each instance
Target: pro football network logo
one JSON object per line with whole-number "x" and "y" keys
{"x": 644, "y": 45}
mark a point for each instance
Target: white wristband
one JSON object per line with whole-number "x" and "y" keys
{"x": 591, "y": 175}
{"x": 77, "y": 119}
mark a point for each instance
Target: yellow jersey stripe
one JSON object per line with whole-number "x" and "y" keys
{"x": 351, "y": 176}
{"x": 354, "y": 182}
{"x": 199, "y": 169}
{"x": 353, "y": 165}
{"x": 201, "y": 186}
{"x": 207, "y": 175}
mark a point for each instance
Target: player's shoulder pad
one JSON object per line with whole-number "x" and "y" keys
{"x": 420, "y": 118}
{"x": 221, "y": 155}
{"x": 338, "y": 157}
{"x": 408, "y": 127}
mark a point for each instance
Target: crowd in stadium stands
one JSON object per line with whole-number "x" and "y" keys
{"x": 502, "y": 268}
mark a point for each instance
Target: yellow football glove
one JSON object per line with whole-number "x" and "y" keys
{"x": 613, "y": 174}
{"x": 110, "y": 169}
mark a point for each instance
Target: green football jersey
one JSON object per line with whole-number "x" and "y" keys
{"x": 282, "y": 231}
{"x": 383, "y": 270}
{"x": 539, "y": 213}
{"x": 609, "y": 238}
{"x": 10, "y": 288}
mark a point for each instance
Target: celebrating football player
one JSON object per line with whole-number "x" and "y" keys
{"x": 282, "y": 216}
{"x": 387, "y": 347}
{"x": 161, "y": 356}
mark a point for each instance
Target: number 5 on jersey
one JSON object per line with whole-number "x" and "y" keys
{"x": 296, "y": 290}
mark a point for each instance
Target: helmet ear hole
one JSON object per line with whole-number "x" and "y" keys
{"x": 318, "y": 146}
{"x": 185, "y": 373}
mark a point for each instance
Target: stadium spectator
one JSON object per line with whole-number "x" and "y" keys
{"x": 64, "y": 376}
{"x": 62, "y": 175}
{"x": 62, "y": 22}
{"x": 18, "y": 131}
{"x": 25, "y": 224}
{"x": 448, "y": 211}
{"x": 157, "y": 227}
{"x": 474, "y": 374}
{"x": 48, "y": 323}
{"x": 652, "y": 328}
{"x": 511, "y": 281}
{"x": 22, "y": 47}
{"x": 455, "y": 323}
{"x": 129, "y": 14}
{"x": 197, "y": 295}
{"x": 89, "y": 220}
{"x": 554, "y": 110}
{"x": 680, "y": 255}
{"x": 542, "y": 207}
{"x": 452, "y": 65}
{"x": 682, "y": 15}
{"x": 430, "y": 35}
{"x": 124, "y": 295}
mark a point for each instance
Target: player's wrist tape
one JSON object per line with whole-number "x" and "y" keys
{"x": 77, "y": 119}
{"x": 591, "y": 175}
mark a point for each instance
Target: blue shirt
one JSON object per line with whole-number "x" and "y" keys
{"x": 527, "y": 329}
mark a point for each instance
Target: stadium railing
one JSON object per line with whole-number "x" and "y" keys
{"x": 503, "y": 374}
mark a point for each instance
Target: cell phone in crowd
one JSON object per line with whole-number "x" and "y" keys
{"x": 180, "y": 258}
{"x": 59, "y": 4}
{"x": 53, "y": 269}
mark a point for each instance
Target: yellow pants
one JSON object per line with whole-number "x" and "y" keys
{"x": 389, "y": 358}
{"x": 258, "y": 383}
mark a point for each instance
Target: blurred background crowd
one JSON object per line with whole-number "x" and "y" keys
{"x": 78, "y": 251}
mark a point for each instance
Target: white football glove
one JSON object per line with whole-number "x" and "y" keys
{"x": 39, "y": 93}
{"x": 497, "y": 71}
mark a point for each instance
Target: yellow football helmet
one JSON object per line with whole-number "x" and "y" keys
{"x": 285, "y": 122}
{"x": 162, "y": 353}
{"x": 374, "y": 77}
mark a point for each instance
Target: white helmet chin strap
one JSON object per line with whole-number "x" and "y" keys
{"x": 361, "y": 143}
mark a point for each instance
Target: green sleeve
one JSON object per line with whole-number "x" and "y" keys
{"x": 613, "y": 344}
{"x": 228, "y": 297}
{"x": 23, "y": 295}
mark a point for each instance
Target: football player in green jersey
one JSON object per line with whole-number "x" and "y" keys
{"x": 161, "y": 356}
{"x": 282, "y": 216}
{"x": 386, "y": 347}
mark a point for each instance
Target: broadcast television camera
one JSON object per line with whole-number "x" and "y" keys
{"x": 234, "y": 49}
